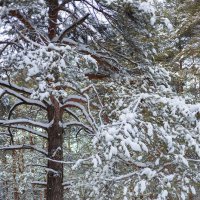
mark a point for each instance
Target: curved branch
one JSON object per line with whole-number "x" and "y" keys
{"x": 71, "y": 113}
{"x": 24, "y": 99}
{"x": 76, "y": 98}
{"x": 65, "y": 125}
{"x": 81, "y": 107}
{"x": 20, "y": 127}
{"x": 5, "y": 133}
{"x": 15, "y": 87}
{"x": 24, "y": 121}
{"x": 24, "y": 146}
{"x": 24, "y": 128}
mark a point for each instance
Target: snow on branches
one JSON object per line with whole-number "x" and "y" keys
{"x": 156, "y": 142}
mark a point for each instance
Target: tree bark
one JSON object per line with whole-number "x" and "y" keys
{"x": 53, "y": 16}
{"x": 55, "y": 152}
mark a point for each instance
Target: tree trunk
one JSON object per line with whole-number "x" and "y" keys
{"x": 14, "y": 171}
{"x": 55, "y": 152}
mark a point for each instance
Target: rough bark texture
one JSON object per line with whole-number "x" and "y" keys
{"x": 53, "y": 16}
{"x": 55, "y": 152}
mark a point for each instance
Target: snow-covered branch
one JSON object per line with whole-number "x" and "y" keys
{"x": 75, "y": 98}
{"x": 24, "y": 146}
{"x": 25, "y": 100}
{"x": 81, "y": 107}
{"x": 60, "y": 161}
{"x": 75, "y": 123}
{"x": 25, "y": 122}
{"x": 25, "y": 128}
{"x": 15, "y": 87}
{"x": 39, "y": 183}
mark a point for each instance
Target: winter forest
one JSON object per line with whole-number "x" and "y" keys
{"x": 99, "y": 99}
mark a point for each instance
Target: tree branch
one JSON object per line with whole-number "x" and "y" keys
{"x": 73, "y": 26}
{"x": 18, "y": 15}
{"x": 15, "y": 87}
{"x": 101, "y": 59}
{"x": 24, "y": 128}
{"x": 24, "y": 99}
{"x": 24, "y": 146}
{"x": 24, "y": 121}
{"x": 26, "y": 22}
{"x": 79, "y": 106}
{"x": 74, "y": 123}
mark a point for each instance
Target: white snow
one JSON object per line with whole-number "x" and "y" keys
{"x": 168, "y": 24}
{"x": 1, "y": 91}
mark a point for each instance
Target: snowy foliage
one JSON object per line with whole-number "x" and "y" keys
{"x": 126, "y": 135}
{"x": 51, "y": 69}
{"x": 152, "y": 145}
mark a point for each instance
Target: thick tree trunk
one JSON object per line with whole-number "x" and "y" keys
{"x": 55, "y": 152}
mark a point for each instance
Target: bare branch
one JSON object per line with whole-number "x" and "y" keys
{"x": 39, "y": 183}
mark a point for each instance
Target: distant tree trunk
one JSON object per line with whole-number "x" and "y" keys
{"x": 14, "y": 171}
{"x": 180, "y": 81}
{"x": 55, "y": 152}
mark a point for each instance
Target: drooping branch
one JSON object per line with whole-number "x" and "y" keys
{"x": 15, "y": 87}
{"x": 24, "y": 99}
{"x": 30, "y": 130}
{"x": 25, "y": 122}
{"x": 72, "y": 27}
{"x": 21, "y": 127}
{"x": 12, "y": 42}
{"x": 75, "y": 123}
{"x": 4, "y": 133}
{"x": 7, "y": 43}
{"x": 13, "y": 108}
{"x": 80, "y": 107}
{"x": 71, "y": 113}
{"x": 24, "y": 146}
{"x": 76, "y": 98}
